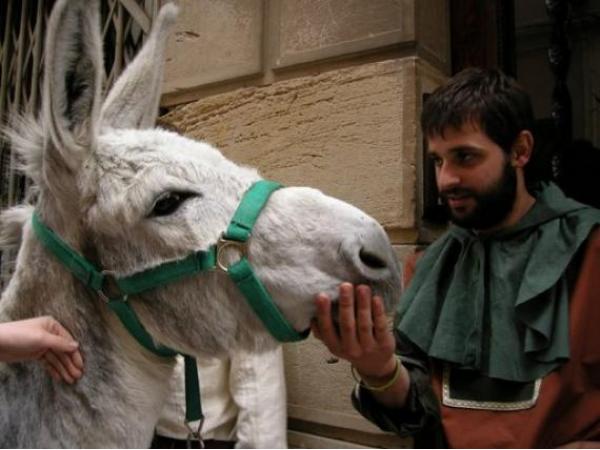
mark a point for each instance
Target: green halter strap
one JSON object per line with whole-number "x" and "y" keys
{"x": 237, "y": 235}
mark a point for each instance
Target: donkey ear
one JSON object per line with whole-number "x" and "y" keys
{"x": 134, "y": 99}
{"x": 72, "y": 82}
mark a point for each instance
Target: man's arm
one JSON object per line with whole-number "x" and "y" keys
{"x": 408, "y": 406}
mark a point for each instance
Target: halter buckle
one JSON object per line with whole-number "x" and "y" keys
{"x": 224, "y": 246}
{"x": 110, "y": 287}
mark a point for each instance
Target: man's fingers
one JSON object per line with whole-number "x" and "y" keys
{"x": 381, "y": 329}
{"x": 347, "y": 319}
{"x": 326, "y": 330}
{"x": 315, "y": 329}
{"x": 364, "y": 316}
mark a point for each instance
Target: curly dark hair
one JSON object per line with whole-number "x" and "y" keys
{"x": 487, "y": 98}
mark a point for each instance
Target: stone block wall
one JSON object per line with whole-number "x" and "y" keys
{"x": 324, "y": 93}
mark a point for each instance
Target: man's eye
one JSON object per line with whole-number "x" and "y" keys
{"x": 465, "y": 157}
{"x": 169, "y": 202}
{"x": 436, "y": 161}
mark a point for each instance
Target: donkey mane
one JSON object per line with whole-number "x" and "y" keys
{"x": 26, "y": 135}
{"x": 12, "y": 221}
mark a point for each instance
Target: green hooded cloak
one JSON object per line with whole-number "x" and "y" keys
{"x": 499, "y": 303}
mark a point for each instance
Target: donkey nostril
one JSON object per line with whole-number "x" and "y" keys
{"x": 371, "y": 260}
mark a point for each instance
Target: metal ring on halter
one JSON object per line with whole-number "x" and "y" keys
{"x": 223, "y": 245}
{"x": 111, "y": 276}
{"x": 195, "y": 435}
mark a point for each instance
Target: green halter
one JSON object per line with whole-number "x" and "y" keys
{"x": 237, "y": 234}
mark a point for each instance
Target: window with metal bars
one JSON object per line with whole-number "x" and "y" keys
{"x": 125, "y": 24}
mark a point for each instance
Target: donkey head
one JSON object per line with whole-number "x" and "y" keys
{"x": 130, "y": 197}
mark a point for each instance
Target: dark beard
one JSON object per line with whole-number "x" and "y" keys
{"x": 491, "y": 206}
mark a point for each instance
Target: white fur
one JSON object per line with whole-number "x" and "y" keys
{"x": 100, "y": 169}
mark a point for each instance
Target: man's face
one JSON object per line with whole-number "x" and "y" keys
{"x": 475, "y": 179}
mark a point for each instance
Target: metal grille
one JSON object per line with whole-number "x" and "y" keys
{"x": 125, "y": 24}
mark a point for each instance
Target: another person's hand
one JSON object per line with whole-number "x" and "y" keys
{"x": 364, "y": 337}
{"x": 44, "y": 339}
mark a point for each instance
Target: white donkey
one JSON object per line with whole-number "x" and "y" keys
{"x": 128, "y": 198}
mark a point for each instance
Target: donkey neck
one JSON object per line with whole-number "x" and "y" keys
{"x": 123, "y": 383}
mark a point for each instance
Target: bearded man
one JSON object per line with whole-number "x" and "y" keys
{"x": 495, "y": 342}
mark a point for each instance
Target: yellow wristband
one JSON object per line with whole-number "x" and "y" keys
{"x": 382, "y": 387}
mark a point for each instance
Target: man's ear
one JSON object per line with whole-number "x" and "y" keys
{"x": 521, "y": 149}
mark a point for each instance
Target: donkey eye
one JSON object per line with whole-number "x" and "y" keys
{"x": 170, "y": 202}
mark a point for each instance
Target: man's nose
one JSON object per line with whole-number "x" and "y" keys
{"x": 447, "y": 177}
